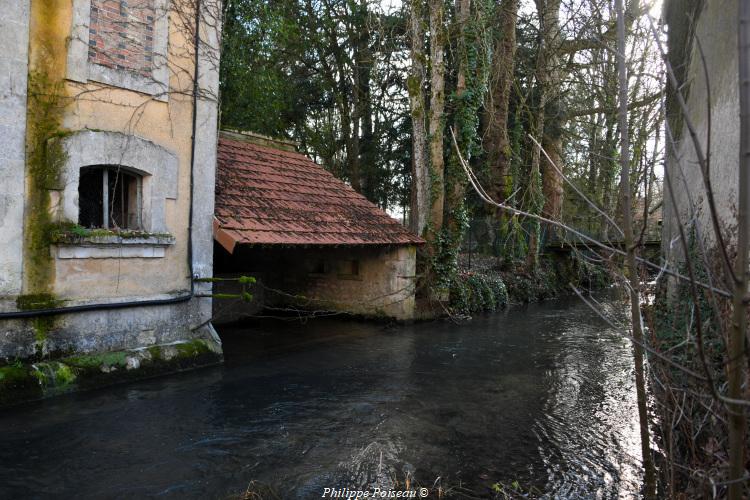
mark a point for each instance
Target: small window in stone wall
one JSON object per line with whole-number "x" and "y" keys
{"x": 121, "y": 35}
{"x": 348, "y": 268}
{"x": 110, "y": 198}
{"x": 320, "y": 267}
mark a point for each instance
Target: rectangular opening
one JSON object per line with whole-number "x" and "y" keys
{"x": 348, "y": 269}
{"x": 109, "y": 197}
{"x": 320, "y": 268}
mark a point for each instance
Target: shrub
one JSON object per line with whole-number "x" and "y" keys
{"x": 471, "y": 293}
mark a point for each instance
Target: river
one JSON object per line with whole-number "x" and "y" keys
{"x": 541, "y": 395}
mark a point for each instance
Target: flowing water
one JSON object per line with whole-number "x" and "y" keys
{"x": 541, "y": 395}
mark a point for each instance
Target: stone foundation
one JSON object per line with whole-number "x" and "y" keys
{"x": 21, "y": 382}
{"x": 43, "y": 356}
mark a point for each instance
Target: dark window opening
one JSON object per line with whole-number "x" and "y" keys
{"x": 319, "y": 267}
{"x": 109, "y": 197}
{"x": 348, "y": 268}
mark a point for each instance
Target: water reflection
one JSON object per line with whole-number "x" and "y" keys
{"x": 542, "y": 395}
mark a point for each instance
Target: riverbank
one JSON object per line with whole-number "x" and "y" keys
{"x": 486, "y": 284}
{"x": 30, "y": 380}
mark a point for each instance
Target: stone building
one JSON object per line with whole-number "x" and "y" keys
{"x": 107, "y": 159}
{"x": 312, "y": 242}
{"x": 714, "y": 23}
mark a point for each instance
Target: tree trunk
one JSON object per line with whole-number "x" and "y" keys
{"x": 607, "y": 165}
{"x": 549, "y": 81}
{"x": 352, "y": 153}
{"x": 497, "y": 140}
{"x": 552, "y": 179}
{"x": 362, "y": 112}
{"x": 455, "y": 183}
{"x": 420, "y": 187}
{"x": 437, "y": 110}
{"x": 351, "y": 142}
{"x": 548, "y": 12}
{"x": 632, "y": 269}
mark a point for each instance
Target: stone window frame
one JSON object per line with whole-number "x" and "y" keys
{"x": 157, "y": 166}
{"x": 79, "y": 69}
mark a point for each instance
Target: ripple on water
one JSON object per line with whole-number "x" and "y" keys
{"x": 541, "y": 395}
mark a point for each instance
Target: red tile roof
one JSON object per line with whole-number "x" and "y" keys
{"x": 267, "y": 196}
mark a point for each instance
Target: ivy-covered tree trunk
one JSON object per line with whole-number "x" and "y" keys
{"x": 548, "y": 12}
{"x": 466, "y": 132}
{"x": 497, "y": 138}
{"x": 473, "y": 55}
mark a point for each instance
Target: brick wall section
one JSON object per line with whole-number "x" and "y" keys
{"x": 121, "y": 35}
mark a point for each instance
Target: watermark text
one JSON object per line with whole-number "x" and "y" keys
{"x": 373, "y": 493}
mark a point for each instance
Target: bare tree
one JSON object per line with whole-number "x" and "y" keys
{"x": 420, "y": 195}
{"x": 632, "y": 267}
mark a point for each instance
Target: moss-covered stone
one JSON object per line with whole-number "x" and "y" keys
{"x": 30, "y": 381}
{"x": 41, "y": 325}
{"x": 18, "y": 383}
{"x": 36, "y": 301}
{"x": 194, "y": 348}
{"x": 154, "y": 352}
{"x": 71, "y": 233}
{"x": 105, "y": 360}
{"x": 54, "y": 377}
{"x": 21, "y": 382}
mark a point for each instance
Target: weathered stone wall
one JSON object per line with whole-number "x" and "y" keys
{"x": 720, "y": 47}
{"x": 101, "y": 331}
{"x": 14, "y": 40}
{"x": 321, "y": 280}
{"x": 102, "y": 115}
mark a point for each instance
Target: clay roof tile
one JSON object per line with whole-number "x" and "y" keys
{"x": 266, "y": 196}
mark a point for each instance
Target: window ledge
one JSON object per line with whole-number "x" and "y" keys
{"x": 112, "y": 246}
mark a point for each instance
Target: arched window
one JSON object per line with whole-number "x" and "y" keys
{"x": 147, "y": 170}
{"x": 110, "y": 197}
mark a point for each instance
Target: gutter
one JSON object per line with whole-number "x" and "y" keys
{"x": 35, "y": 313}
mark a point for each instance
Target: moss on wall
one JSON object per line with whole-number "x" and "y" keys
{"x": 30, "y": 381}
{"x": 17, "y": 383}
{"x": 45, "y": 156}
{"x": 105, "y": 360}
{"x": 35, "y": 301}
{"x": 44, "y": 161}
